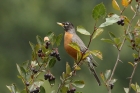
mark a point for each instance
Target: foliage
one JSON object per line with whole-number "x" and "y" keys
{"x": 45, "y": 54}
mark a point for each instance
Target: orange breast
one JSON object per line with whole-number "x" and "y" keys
{"x": 67, "y": 40}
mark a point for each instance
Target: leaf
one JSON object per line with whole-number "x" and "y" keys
{"x": 76, "y": 67}
{"x": 137, "y": 87}
{"x": 107, "y": 74}
{"x": 13, "y": 88}
{"x": 32, "y": 46}
{"x": 39, "y": 40}
{"x": 117, "y": 41}
{"x": 97, "y": 53}
{"x": 68, "y": 69}
{"x": 53, "y": 91}
{"x": 79, "y": 83}
{"x": 36, "y": 84}
{"x": 131, "y": 63}
{"x": 75, "y": 46}
{"x": 82, "y": 30}
{"x": 102, "y": 77}
{"x": 64, "y": 89}
{"x": 50, "y": 35}
{"x": 112, "y": 36}
{"x": 133, "y": 87}
{"x": 126, "y": 20}
{"x": 125, "y": 3}
{"x": 126, "y": 90}
{"x": 107, "y": 40}
{"x": 58, "y": 39}
{"x": 110, "y": 20}
{"x": 135, "y": 55}
{"x": 23, "y": 91}
{"x": 99, "y": 11}
{"x": 113, "y": 81}
{"x": 52, "y": 62}
{"x": 64, "y": 75}
{"x": 21, "y": 70}
{"x": 115, "y": 5}
{"x": 42, "y": 89}
{"x": 25, "y": 64}
{"x": 97, "y": 32}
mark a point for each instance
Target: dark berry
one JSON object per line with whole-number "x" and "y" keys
{"x": 27, "y": 84}
{"x": 122, "y": 24}
{"x": 35, "y": 71}
{"x": 119, "y": 22}
{"x": 133, "y": 45}
{"x": 47, "y": 76}
{"x": 73, "y": 89}
{"x": 51, "y": 78}
{"x": 39, "y": 54}
{"x": 136, "y": 59}
{"x": 48, "y": 43}
{"x": 53, "y": 53}
{"x": 40, "y": 50}
{"x": 111, "y": 86}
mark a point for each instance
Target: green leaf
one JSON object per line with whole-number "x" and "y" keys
{"x": 135, "y": 55}
{"x": 64, "y": 89}
{"x": 131, "y": 63}
{"x": 109, "y": 21}
{"x": 64, "y": 75}
{"x": 137, "y": 87}
{"x": 36, "y": 84}
{"x": 68, "y": 69}
{"x": 25, "y": 64}
{"x": 50, "y": 35}
{"x": 53, "y": 91}
{"x": 58, "y": 39}
{"x": 32, "y": 46}
{"x": 42, "y": 89}
{"x": 39, "y": 40}
{"x": 133, "y": 87}
{"x": 103, "y": 77}
{"x": 97, "y": 53}
{"x": 75, "y": 46}
{"x": 82, "y": 30}
{"x": 112, "y": 36}
{"x": 79, "y": 83}
{"x": 117, "y": 41}
{"x": 137, "y": 40}
{"x": 97, "y": 32}
{"x": 99, "y": 11}
{"x": 126, "y": 90}
{"x": 107, "y": 74}
{"x": 107, "y": 40}
{"x": 52, "y": 62}
{"x": 76, "y": 67}
{"x": 21, "y": 70}
{"x": 113, "y": 81}
{"x": 13, "y": 88}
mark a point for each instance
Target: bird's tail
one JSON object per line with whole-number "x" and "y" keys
{"x": 92, "y": 66}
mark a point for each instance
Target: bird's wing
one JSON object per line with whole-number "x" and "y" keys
{"x": 76, "y": 39}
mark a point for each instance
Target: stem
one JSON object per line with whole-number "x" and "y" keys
{"x": 133, "y": 72}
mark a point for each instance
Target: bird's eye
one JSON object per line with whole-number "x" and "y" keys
{"x": 67, "y": 23}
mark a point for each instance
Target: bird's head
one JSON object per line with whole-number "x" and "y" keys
{"x": 68, "y": 27}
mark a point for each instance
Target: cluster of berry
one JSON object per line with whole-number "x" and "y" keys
{"x": 35, "y": 91}
{"x": 72, "y": 90}
{"x": 49, "y": 77}
{"x": 121, "y": 22}
{"x": 55, "y": 53}
{"x": 40, "y": 53}
{"x": 47, "y": 44}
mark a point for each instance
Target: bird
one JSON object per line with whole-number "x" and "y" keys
{"x": 70, "y": 36}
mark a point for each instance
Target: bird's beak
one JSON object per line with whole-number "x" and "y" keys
{"x": 60, "y": 24}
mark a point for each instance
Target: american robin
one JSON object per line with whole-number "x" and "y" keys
{"x": 71, "y": 36}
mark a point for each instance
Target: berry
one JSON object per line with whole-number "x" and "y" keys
{"x": 27, "y": 84}
{"x": 48, "y": 43}
{"x": 122, "y": 24}
{"x": 51, "y": 78}
{"x": 40, "y": 50}
{"x": 111, "y": 86}
{"x": 68, "y": 91}
{"x": 35, "y": 71}
{"x": 136, "y": 59}
{"x": 53, "y": 53}
{"x": 47, "y": 76}
{"x": 119, "y": 22}
{"x": 39, "y": 54}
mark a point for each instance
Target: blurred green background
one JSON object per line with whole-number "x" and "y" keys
{"x": 22, "y": 20}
